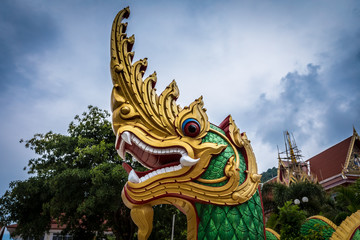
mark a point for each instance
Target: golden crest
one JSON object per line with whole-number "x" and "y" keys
{"x": 134, "y": 101}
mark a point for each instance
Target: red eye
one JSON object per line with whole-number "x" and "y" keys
{"x": 191, "y": 127}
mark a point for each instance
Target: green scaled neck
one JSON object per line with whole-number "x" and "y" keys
{"x": 243, "y": 221}
{"x": 217, "y": 164}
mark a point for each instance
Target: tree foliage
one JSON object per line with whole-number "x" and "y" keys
{"x": 76, "y": 180}
{"x": 336, "y": 205}
{"x": 279, "y": 200}
{"x": 290, "y": 220}
{"x": 275, "y": 195}
{"x": 347, "y": 201}
{"x": 268, "y": 174}
{"x": 163, "y": 217}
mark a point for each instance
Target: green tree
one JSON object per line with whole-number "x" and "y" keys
{"x": 163, "y": 217}
{"x": 268, "y": 174}
{"x": 347, "y": 201}
{"x": 275, "y": 195}
{"x": 315, "y": 194}
{"x": 290, "y": 220}
{"x": 76, "y": 180}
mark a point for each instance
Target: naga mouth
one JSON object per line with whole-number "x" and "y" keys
{"x": 158, "y": 160}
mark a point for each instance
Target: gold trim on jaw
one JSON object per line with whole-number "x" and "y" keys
{"x": 143, "y": 218}
{"x": 145, "y": 225}
{"x": 218, "y": 180}
{"x": 180, "y": 182}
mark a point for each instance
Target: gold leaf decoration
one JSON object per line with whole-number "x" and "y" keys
{"x": 134, "y": 101}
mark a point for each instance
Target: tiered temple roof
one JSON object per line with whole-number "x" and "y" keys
{"x": 339, "y": 164}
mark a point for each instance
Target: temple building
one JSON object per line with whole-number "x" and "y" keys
{"x": 292, "y": 168}
{"x": 339, "y": 164}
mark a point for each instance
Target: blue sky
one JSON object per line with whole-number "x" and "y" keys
{"x": 272, "y": 65}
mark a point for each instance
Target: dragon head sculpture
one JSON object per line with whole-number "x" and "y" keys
{"x": 192, "y": 163}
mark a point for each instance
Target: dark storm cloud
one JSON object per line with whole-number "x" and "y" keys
{"x": 344, "y": 86}
{"x": 24, "y": 30}
{"x": 301, "y": 92}
{"x": 320, "y": 105}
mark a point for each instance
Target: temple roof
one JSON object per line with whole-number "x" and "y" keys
{"x": 331, "y": 161}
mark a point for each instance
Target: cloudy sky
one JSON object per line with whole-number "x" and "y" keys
{"x": 273, "y": 65}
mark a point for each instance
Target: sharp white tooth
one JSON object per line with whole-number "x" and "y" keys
{"x": 117, "y": 140}
{"x": 135, "y": 140}
{"x": 146, "y": 177}
{"x": 133, "y": 177}
{"x": 166, "y": 169}
{"x": 187, "y": 161}
{"x": 126, "y": 136}
{"x": 120, "y": 154}
{"x": 142, "y": 179}
{"x": 121, "y": 150}
{"x": 146, "y": 149}
{"x": 178, "y": 167}
{"x": 142, "y": 145}
{"x": 161, "y": 170}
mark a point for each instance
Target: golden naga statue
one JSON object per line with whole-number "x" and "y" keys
{"x": 209, "y": 172}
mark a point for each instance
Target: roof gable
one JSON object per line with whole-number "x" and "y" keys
{"x": 331, "y": 161}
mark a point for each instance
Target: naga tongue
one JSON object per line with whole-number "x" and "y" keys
{"x": 127, "y": 167}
